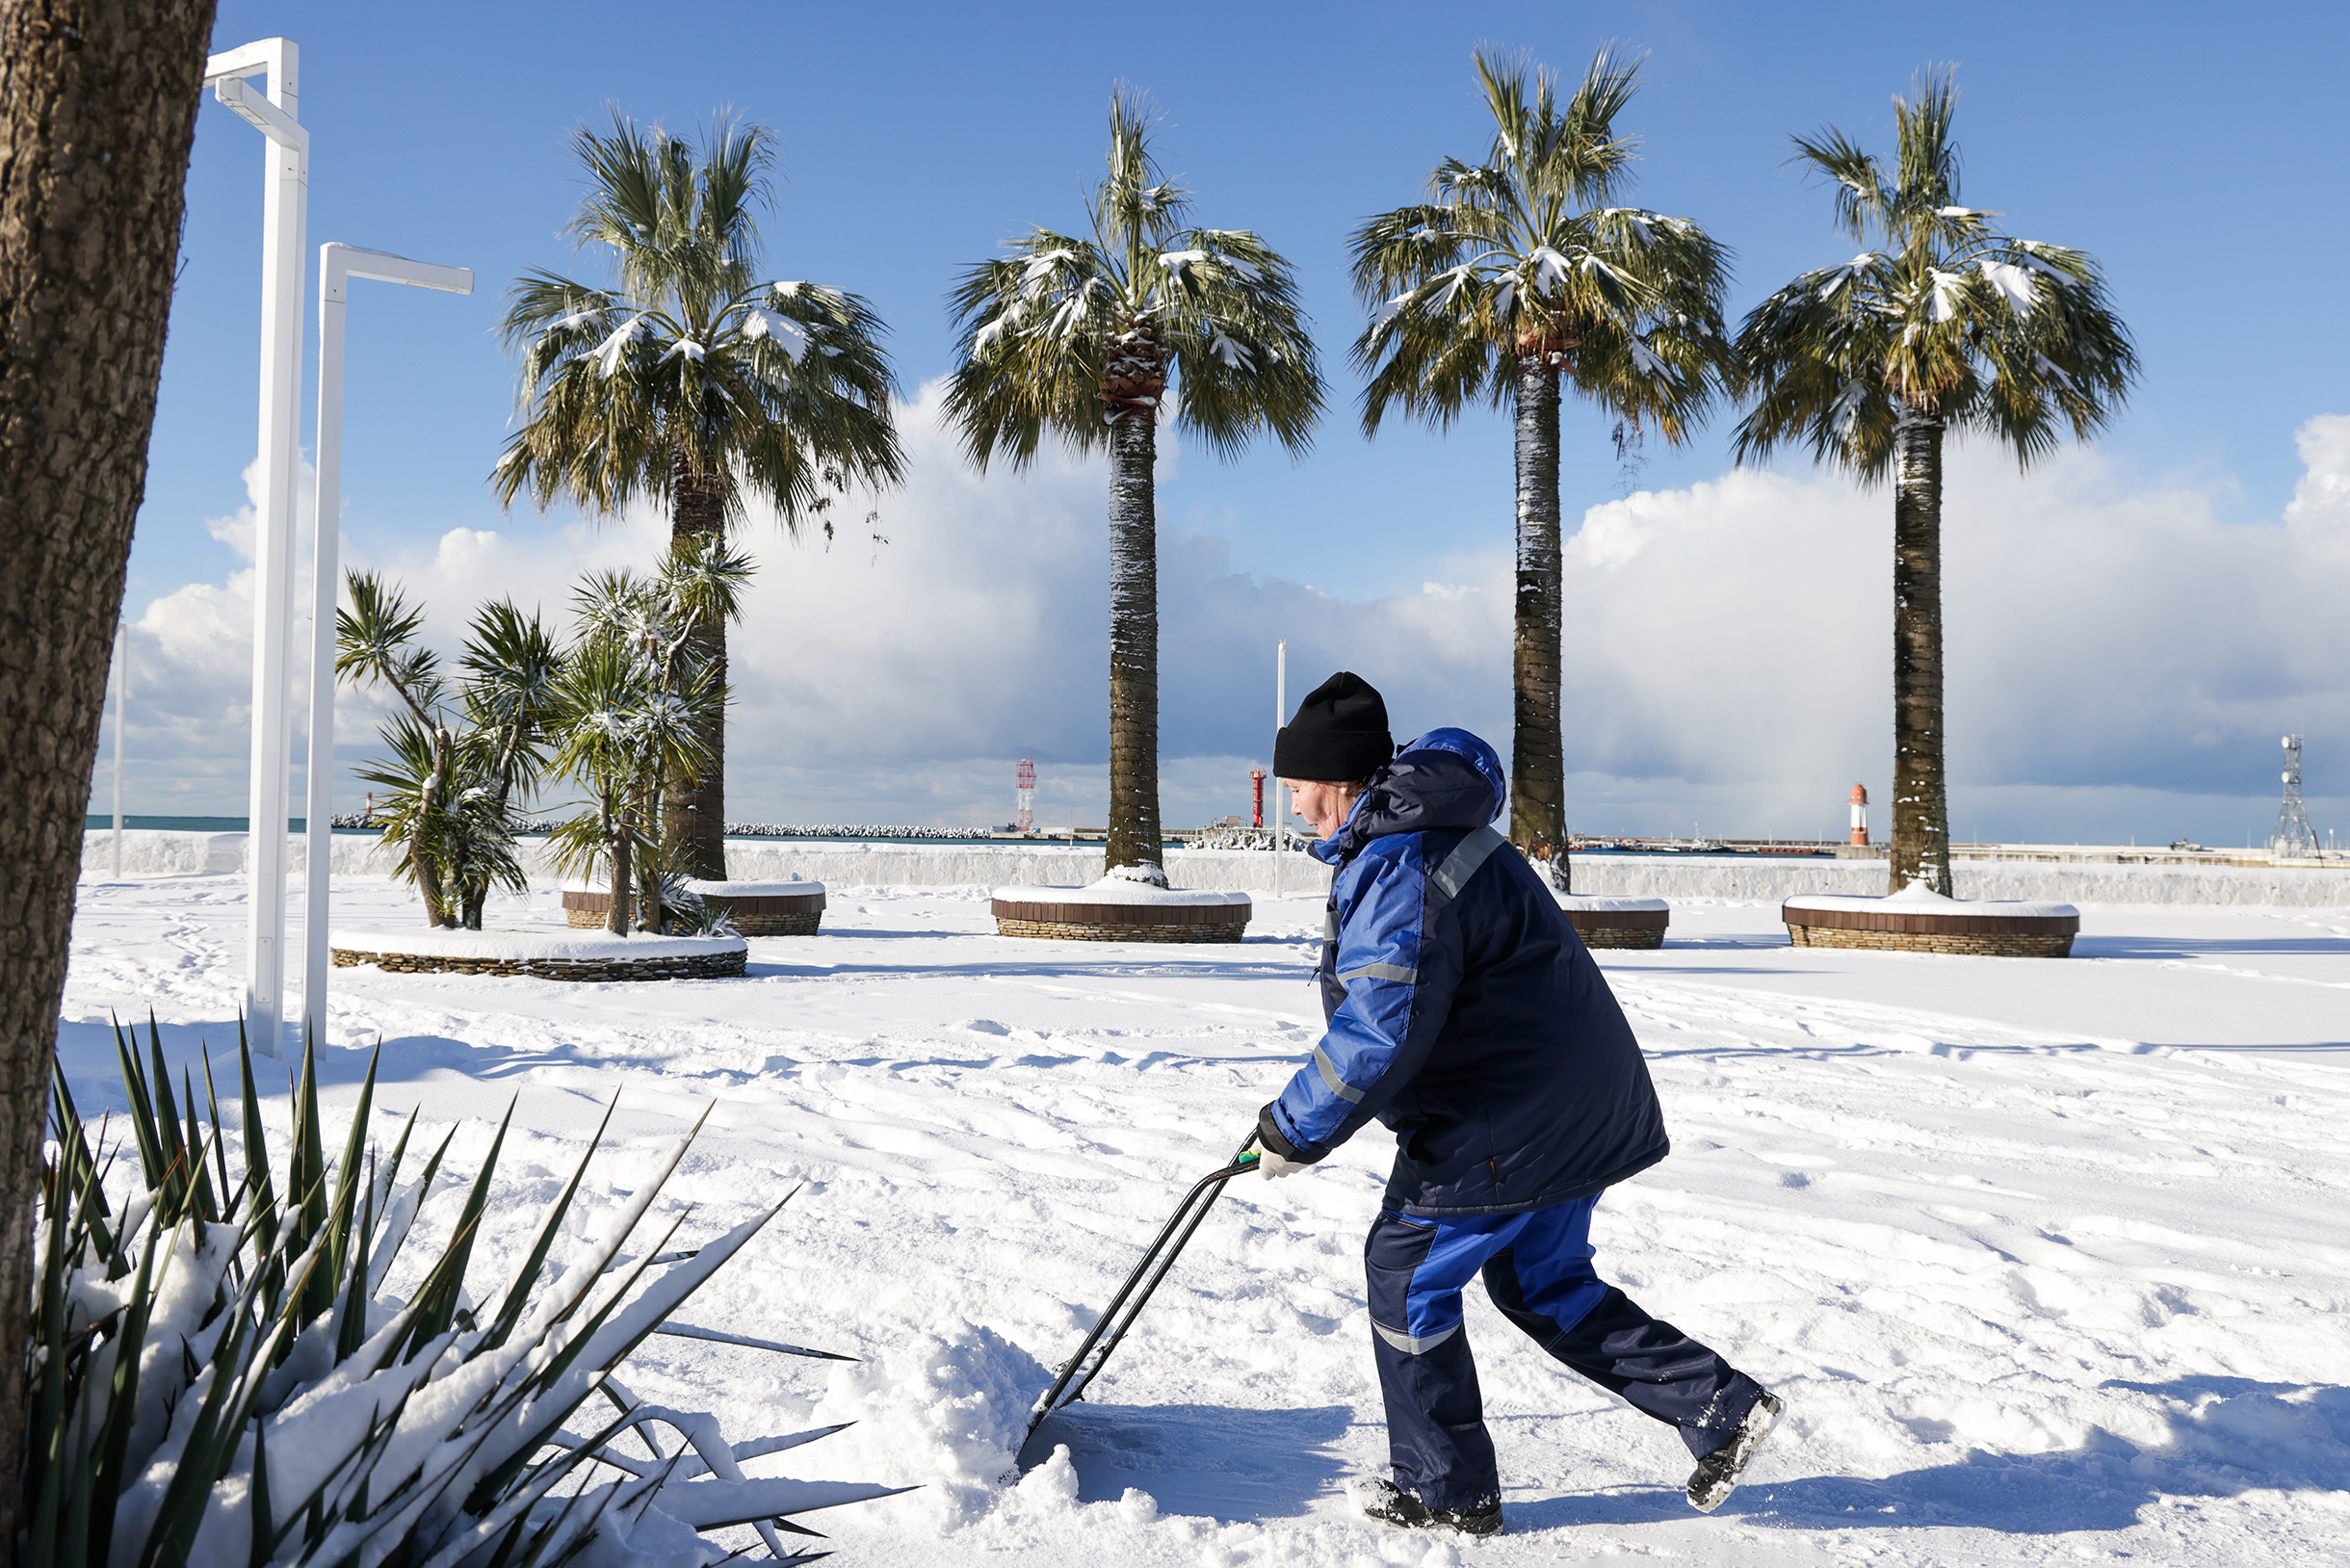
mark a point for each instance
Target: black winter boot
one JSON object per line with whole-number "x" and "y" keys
{"x": 1389, "y": 1503}
{"x": 1717, "y": 1474}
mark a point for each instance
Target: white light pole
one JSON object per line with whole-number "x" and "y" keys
{"x": 1281, "y": 716}
{"x": 284, "y": 211}
{"x": 337, "y": 263}
{"x": 122, "y": 699}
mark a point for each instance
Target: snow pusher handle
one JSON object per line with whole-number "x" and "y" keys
{"x": 1081, "y": 1368}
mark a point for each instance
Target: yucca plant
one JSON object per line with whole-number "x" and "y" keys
{"x": 215, "y": 1374}
{"x": 1084, "y": 339}
{"x": 1519, "y": 278}
{"x": 450, "y": 783}
{"x": 1944, "y": 325}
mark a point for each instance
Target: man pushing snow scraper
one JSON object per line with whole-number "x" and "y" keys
{"x": 1465, "y": 1014}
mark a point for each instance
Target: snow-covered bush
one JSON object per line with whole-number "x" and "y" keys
{"x": 215, "y": 1375}
{"x": 453, "y": 786}
{"x": 634, "y": 711}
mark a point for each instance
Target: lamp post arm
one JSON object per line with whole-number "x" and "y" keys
{"x": 339, "y": 261}
{"x": 266, "y": 116}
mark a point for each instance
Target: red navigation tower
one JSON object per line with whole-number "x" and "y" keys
{"x": 1025, "y": 793}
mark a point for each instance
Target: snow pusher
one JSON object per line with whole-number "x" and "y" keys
{"x": 1081, "y": 1368}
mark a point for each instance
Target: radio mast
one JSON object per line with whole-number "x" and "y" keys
{"x": 2294, "y": 839}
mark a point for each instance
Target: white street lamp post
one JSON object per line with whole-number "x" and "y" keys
{"x": 122, "y": 702}
{"x": 1281, "y": 716}
{"x": 336, "y": 264}
{"x": 284, "y": 212}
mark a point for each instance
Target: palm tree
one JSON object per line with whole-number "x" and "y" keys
{"x": 689, "y": 383}
{"x": 1517, "y": 276}
{"x": 99, "y": 117}
{"x": 1944, "y": 324}
{"x": 449, "y": 790}
{"x": 1085, "y": 338}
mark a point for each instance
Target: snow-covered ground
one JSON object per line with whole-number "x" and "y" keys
{"x": 2047, "y": 1257}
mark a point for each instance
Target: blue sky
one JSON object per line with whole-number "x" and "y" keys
{"x": 2201, "y": 172}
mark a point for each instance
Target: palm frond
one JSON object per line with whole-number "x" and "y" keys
{"x": 1061, "y": 333}
{"x": 1944, "y": 317}
{"x": 1524, "y": 256}
{"x": 689, "y": 367}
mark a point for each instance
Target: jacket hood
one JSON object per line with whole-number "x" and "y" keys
{"x": 1446, "y": 778}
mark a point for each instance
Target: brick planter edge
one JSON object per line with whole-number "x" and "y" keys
{"x": 659, "y": 967}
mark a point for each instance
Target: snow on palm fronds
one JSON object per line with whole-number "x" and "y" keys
{"x": 1066, "y": 334}
{"x": 1945, "y": 316}
{"x": 215, "y": 1378}
{"x": 691, "y": 371}
{"x": 632, "y": 713}
{"x": 1523, "y": 257}
{"x": 453, "y": 785}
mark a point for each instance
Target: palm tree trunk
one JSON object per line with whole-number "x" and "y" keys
{"x": 1537, "y": 767}
{"x": 1922, "y": 812}
{"x": 1135, "y": 838}
{"x": 693, "y": 809}
{"x": 617, "y": 840}
{"x": 97, "y": 108}
{"x": 430, "y": 802}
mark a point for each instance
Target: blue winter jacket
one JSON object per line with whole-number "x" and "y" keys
{"x": 1464, "y": 1012}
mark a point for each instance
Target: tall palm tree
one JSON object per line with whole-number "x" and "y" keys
{"x": 1085, "y": 338}
{"x": 96, "y": 119}
{"x": 1517, "y": 279}
{"x": 691, "y": 383}
{"x": 1944, "y": 325}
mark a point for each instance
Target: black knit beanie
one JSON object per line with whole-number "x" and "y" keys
{"x": 1339, "y": 734}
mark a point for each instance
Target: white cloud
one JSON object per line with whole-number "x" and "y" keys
{"x": 2119, "y": 656}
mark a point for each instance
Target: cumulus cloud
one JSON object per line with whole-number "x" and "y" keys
{"x": 2120, "y": 657}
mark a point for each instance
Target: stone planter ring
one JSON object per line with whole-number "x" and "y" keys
{"x": 1916, "y": 921}
{"x": 794, "y": 908}
{"x": 563, "y": 955}
{"x": 1116, "y": 910}
{"x": 1617, "y": 923}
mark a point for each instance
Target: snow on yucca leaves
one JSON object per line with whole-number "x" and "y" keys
{"x": 215, "y": 1378}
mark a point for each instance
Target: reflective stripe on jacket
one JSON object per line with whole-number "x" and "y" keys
{"x": 1464, "y": 1012}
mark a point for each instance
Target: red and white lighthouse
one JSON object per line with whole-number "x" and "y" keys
{"x": 1025, "y": 793}
{"x": 1860, "y": 815}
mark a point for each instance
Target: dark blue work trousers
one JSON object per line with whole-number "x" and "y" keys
{"x": 1537, "y": 1269}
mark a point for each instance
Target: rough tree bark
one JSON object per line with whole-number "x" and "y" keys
{"x": 97, "y": 109}
{"x": 1135, "y": 838}
{"x": 621, "y": 912}
{"x": 1537, "y": 767}
{"x": 1920, "y": 806}
{"x": 693, "y": 810}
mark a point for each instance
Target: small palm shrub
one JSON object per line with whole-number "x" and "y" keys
{"x": 452, "y": 783}
{"x": 632, "y": 714}
{"x": 216, "y": 1377}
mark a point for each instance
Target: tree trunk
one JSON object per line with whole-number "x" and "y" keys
{"x": 1134, "y": 837}
{"x": 693, "y": 809}
{"x": 97, "y": 108}
{"x": 1920, "y": 807}
{"x": 617, "y": 918}
{"x": 1537, "y": 767}
{"x": 431, "y": 799}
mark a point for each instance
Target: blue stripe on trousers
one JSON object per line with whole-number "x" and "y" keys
{"x": 1537, "y": 1269}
